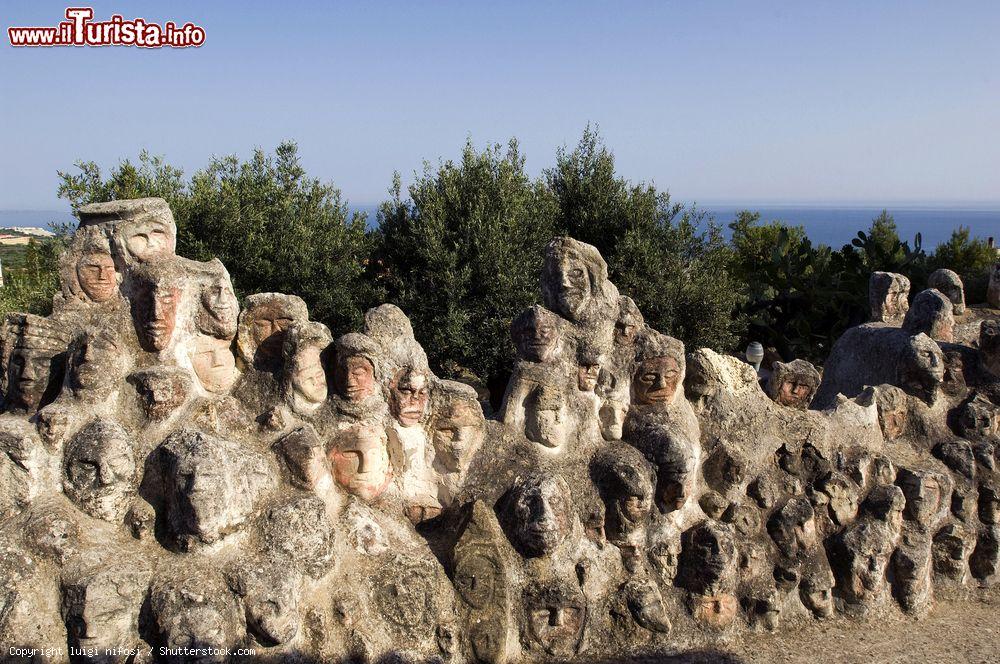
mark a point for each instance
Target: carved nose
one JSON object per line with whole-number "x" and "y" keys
{"x": 363, "y": 463}
{"x": 556, "y": 618}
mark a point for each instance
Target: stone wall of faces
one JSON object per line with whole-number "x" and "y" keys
{"x": 184, "y": 473}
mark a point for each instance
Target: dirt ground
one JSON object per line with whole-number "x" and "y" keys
{"x": 962, "y": 630}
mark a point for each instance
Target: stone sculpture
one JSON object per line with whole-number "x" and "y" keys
{"x": 179, "y": 472}
{"x": 888, "y": 297}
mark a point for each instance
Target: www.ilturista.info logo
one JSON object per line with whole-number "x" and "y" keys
{"x": 80, "y": 30}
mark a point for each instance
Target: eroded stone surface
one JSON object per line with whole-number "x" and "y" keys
{"x": 178, "y": 471}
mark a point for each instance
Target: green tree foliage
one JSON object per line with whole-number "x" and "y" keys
{"x": 674, "y": 262}
{"x": 462, "y": 256}
{"x": 275, "y": 228}
{"x": 970, "y": 257}
{"x": 30, "y": 287}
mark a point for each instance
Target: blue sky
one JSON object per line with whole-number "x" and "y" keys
{"x": 861, "y": 102}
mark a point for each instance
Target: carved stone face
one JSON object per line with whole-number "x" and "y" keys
{"x": 556, "y": 619}
{"x": 272, "y": 613}
{"x": 710, "y": 557}
{"x": 843, "y": 495}
{"x": 102, "y": 609}
{"x": 950, "y": 285}
{"x": 574, "y": 288}
{"x": 612, "y": 418}
{"x": 161, "y": 393}
{"x": 586, "y": 376}
{"x": 97, "y": 277}
{"x": 409, "y": 394}
{"x": 308, "y": 378}
{"x": 94, "y": 366}
{"x": 536, "y": 335}
{"x": 199, "y": 626}
{"x": 892, "y": 411}
{"x": 816, "y": 592}
{"x": 268, "y": 331}
{"x": 356, "y": 378}
{"x": 214, "y": 364}
{"x": 951, "y": 550}
{"x": 655, "y": 381}
{"x": 795, "y": 392}
{"x": 989, "y": 343}
{"x": 361, "y": 462}
{"x": 547, "y": 423}
{"x": 793, "y": 527}
{"x": 665, "y": 557}
{"x": 867, "y": 549}
{"x": 978, "y": 419}
{"x": 923, "y": 495}
{"x": 675, "y": 482}
{"x": 922, "y": 370}
{"x": 155, "y": 313}
{"x": 646, "y": 606}
{"x": 100, "y": 471}
{"x": 887, "y": 296}
{"x": 457, "y": 435}
{"x": 715, "y": 611}
{"x": 149, "y": 239}
{"x": 542, "y": 517}
{"x": 989, "y": 505}
{"x": 219, "y": 310}
{"x": 28, "y": 373}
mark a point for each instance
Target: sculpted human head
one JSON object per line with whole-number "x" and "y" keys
{"x": 547, "y": 420}
{"x": 659, "y": 371}
{"x": 360, "y": 461}
{"x": 458, "y": 426}
{"x": 665, "y": 554}
{"x": 541, "y": 514}
{"x": 842, "y": 497}
{"x": 144, "y": 228}
{"x": 923, "y": 493}
{"x": 978, "y": 418}
{"x": 589, "y": 362}
{"x": 262, "y": 325}
{"x": 888, "y": 294}
{"x": 161, "y": 390}
{"x": 101, "y": 606}
{"x": 613, "y": 393}
{"x": 36, "y": 362}
{"x": 304, "y": 367}
{"x": 100, "y": 470}
{"x": 793, "y": 384}
{"x": 950, "y": 285}
{"x": 932, "y": 314}
{"x": 892, "y": 410}
{"x": 630, "y": 322}
{"x": 885, "y": 502}
{"x": 355, "y": 376}
{"x": 97, "y": 277}
{"x": 214, "y": 363}
{"x": 793, "y": 527}
{"x": 816, "y": 589}
{"x": 409, "y": 394}
{"x": 98, "y": 361}
{"x": 989, "y": 503}
{"x": 155, "y": 297}
{"x": 536, "y": 334}
{"x": 218, "y": 310}
{"x": 557, "y": 617}
{"x": 989, "y": 344}
{"x": 625, "y": 480}
{"x": 676, "y": 472}
{"x": 921, "y": 370}
{"x": 709, "y": 558}
{"x": 574, "y": 276}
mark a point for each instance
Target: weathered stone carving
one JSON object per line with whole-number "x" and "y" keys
{"x": 888, "y": 297}
{"x": 176, "y": 472}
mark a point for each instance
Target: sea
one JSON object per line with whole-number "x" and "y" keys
{"x": 832, "y": 225}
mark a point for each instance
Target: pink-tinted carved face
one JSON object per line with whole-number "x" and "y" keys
{"x": 356, "y": 378}
{"x": 409, "y": 393}
{"x": 361, "y": 462}
{"x": 97, "y": 277}
{"x": 655, "y": 381}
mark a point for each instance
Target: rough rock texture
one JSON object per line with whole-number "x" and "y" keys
{"x": 181, "y": 475}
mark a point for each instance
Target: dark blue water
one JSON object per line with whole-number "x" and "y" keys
{"x": 834, "y": 226}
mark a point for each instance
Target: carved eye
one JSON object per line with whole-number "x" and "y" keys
{"x": 576, "y": 273}
{"x": 83, "y": 473}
